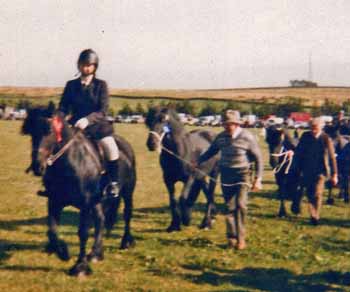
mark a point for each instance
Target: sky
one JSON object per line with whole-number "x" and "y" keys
{"x": 176, "y": 44}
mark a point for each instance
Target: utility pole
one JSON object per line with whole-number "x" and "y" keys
{"x": 310, "y": 77}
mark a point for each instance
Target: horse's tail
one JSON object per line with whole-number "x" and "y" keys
{"x": 110, "y": 208}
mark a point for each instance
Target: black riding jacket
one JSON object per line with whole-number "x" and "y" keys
{"x": 85, "y": 101}
{"x": 89, "y": 102}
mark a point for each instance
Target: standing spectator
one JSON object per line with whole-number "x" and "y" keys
{"x": 316, "y": 161}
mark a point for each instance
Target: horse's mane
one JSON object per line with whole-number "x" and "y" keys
{"x": 174, "y": 121}
{"x": 159, "y": 114}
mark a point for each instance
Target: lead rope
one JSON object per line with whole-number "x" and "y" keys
{"x": 162, "y": 147}
{"x": 286, "y": 159}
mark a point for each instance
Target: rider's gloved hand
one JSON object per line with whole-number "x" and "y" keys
{"x": 82, "y": 123}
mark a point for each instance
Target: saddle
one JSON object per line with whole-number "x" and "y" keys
{"x": 101, "y": 154}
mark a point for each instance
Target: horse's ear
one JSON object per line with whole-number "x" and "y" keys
{"x": 50, "y": 108}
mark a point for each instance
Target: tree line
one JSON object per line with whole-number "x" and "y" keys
{"x": 212, "y": 107}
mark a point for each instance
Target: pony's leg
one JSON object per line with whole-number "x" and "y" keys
{"x": 111, "y": 213}
{"x": 345, "y": 187}
{"x": 282, "y": 191}
{"x": 209, "y": 216}
{"x": 330, "y": 199}
{"x": 81, "y": 267}
{"x": 96, "y": 253}
{"x": 282, "y": 196}
{"x": 55, "y": 245}
{"x": 175, "y": 216}
{"x": 185, "y": 206}
{"x": 128, "y": 239}
{"x": 296, "y": 200}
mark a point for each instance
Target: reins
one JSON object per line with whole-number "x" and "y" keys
{"x": 53, "y": 157}
{"x": 162, "y": 147}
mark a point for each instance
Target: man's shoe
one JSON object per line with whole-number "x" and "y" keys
{"x": 314, "y": 221}
{"x": 231, "y": 242}
{"x": 241, "y": 245}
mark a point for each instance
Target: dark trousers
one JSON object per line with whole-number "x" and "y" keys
{"x": 314, "y": 190}
{"x": 236, "y": 200}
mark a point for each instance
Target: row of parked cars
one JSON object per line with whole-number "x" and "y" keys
{"x": 294, "y": 121}
{"x": 10, "y": 113}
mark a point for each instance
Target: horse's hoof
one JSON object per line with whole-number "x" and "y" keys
{"x": 80, "y": 269}
{"x": 108, "y": 233}
{"x": 295, "y": 209}
{"x": 128, "y": 241}
{"x": 282, "y": 214}
{"x": 94, "y": 257}
{"x": 186, "y": 220}
{"x": 60, "y": 248}
{"x": 206, "y": 224}
{"x": 173, "y": 228}
{"x": 330, "y": 201}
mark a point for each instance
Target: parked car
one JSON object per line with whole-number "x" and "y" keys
{"x": 191, "y": 120}
{"x": 249, "y": 120}
{"x": 276, "y": 121}
{"x": 123, "y": 119}
{"x": 137, "y": 119}
{"x": 301, "y": 125}
{"x": 205, "y": 120}
{"x": 183, "y": 118}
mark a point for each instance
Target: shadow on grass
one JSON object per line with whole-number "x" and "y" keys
{"x": 68, "y": 218}
{"x": 269, "y": 279}
{"x": 8, "y": 247}
{"x": 20, "y": 268}
{"x": 192, "y": 242}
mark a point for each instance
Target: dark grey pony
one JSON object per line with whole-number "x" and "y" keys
{"x": 75, "y": 179}
{"x": 166, "y": 130}
{"x": 340, "y": 143}
{"x": 279, "y": 141}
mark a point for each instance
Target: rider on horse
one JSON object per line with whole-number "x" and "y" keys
{"x": 85, "y": 101}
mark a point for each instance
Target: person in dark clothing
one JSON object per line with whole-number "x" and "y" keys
{"x": 315, "y": 158}
{"x": 86, "y": 100}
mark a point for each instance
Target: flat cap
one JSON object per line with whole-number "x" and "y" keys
{"x": 232, "y": 116}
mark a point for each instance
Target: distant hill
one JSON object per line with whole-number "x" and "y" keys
{"x": 312, "y": 96}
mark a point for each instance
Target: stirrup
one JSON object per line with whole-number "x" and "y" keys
{"x": 111, "y": 190}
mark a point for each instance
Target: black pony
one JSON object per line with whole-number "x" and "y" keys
{"x": 340, "y": 143}
{"x": 76, "y": 179}
{"x": 287, "y": 179}
{"x": 168, "y": 133}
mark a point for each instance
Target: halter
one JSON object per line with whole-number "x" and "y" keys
{"x": 160, "y": 137}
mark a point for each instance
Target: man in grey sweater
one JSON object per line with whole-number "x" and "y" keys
{"x": 238, "y": 149}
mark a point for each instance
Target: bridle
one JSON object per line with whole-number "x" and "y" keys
{"x": 159, "y": 138}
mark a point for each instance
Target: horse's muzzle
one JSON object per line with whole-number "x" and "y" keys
{"x": 151, "y": 144}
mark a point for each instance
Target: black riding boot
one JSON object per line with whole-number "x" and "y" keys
{"x": 113, "y": 189}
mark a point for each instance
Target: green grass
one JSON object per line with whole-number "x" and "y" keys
{"x": 282, "y": 254}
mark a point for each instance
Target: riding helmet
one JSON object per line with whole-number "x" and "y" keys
{"x": 88, "y": 56}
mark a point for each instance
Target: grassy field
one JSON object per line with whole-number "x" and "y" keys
{"x": 282, "y": 254}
